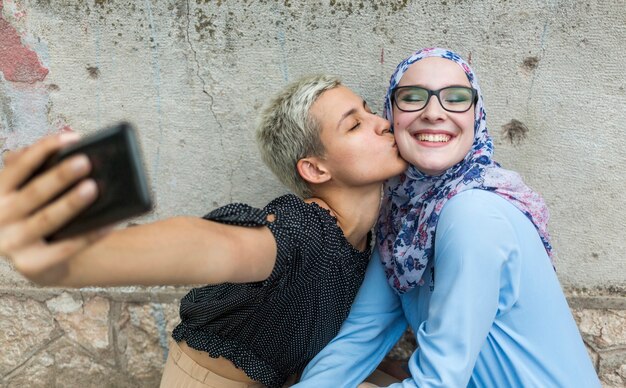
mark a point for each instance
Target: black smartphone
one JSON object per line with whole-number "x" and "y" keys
{"x": 118, "y": 170}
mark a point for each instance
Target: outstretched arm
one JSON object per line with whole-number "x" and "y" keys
{"x": 181, "y": 250}
{"x": 374, "y": 325}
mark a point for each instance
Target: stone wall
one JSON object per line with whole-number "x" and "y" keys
{"x": 118, "y": 337}
{"x": 98, "y": 338}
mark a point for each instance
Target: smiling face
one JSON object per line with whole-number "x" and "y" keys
{"x": 359, "y": 147}
{"x": 434, "y": 139}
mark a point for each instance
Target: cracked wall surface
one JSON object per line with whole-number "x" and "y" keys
{"x": 193, "y": 75}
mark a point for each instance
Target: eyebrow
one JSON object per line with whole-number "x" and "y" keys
{"x": 349, "y": 113}
{"x": 424, "y": 87}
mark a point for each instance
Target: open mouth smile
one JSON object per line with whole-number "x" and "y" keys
{"x": 433, "y": 137}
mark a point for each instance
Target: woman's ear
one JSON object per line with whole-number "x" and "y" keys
{"x": 312, "y": 170}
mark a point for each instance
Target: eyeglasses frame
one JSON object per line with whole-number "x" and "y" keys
{"x": 435, "y": 93}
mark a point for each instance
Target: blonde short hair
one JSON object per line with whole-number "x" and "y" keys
{"x": 287, "y": 132}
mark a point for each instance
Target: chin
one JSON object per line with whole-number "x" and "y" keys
{"x": 432, "y": 171}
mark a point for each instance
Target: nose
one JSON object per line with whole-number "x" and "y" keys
{"x": 383, "y": 126}
{"x": 433, "y": 110}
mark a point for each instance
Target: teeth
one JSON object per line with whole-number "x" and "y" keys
{"x": 440, "y": 138}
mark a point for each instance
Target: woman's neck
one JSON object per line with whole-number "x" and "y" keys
{"x": 356, "y": 211}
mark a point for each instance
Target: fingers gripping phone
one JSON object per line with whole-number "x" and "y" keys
{"x": 117, "y": 169}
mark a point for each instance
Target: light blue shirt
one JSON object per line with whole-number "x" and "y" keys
{"x": 490, "y": 314}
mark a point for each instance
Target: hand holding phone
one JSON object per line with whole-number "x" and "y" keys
{"x": 117, "y": 169}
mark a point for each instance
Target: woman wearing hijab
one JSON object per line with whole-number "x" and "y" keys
{"x": 465, "y": 252}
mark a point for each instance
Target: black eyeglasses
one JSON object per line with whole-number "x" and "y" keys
{"x": 457, "y": 99}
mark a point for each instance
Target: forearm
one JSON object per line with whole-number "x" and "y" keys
{"x": 356, "y": 352}
{"x": 176, "y": 251}
{"x": 180, "y": 250}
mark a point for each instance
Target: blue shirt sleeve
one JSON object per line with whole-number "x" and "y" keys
{"x": 474, "y": 281}
{"x": 374, "y": 325}
{"x": 472, "y": 246}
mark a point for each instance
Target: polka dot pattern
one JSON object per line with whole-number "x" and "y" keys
{"x": 273, "y": 328}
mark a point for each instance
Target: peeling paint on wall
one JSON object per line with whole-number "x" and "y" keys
{"x": 23, "y": 99}
{"x": 18, "y": 63}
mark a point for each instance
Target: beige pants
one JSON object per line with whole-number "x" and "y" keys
{"x": 183, "y": 372}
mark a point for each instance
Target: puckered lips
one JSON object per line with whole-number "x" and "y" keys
{"x": 433, "y": 137}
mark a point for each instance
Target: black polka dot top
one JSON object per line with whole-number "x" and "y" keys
{"x": 272, "y": 329}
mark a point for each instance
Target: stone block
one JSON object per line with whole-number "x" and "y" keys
{"x": 143, "y": 334}
{"x": 85, "y": 322}
{"x": 25, "y": 327}
{"x": 66, "y": 364}
{"x": 37, "y": 372}
{"x": 602, "y": 329}
{"x": 612, "y": 368}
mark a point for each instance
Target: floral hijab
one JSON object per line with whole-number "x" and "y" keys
{"x": 413, "y": 201}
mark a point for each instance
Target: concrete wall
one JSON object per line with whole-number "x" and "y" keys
{"x": 192, "y": 76}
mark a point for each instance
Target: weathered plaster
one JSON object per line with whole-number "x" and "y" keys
{"x": 193, "y": 76}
